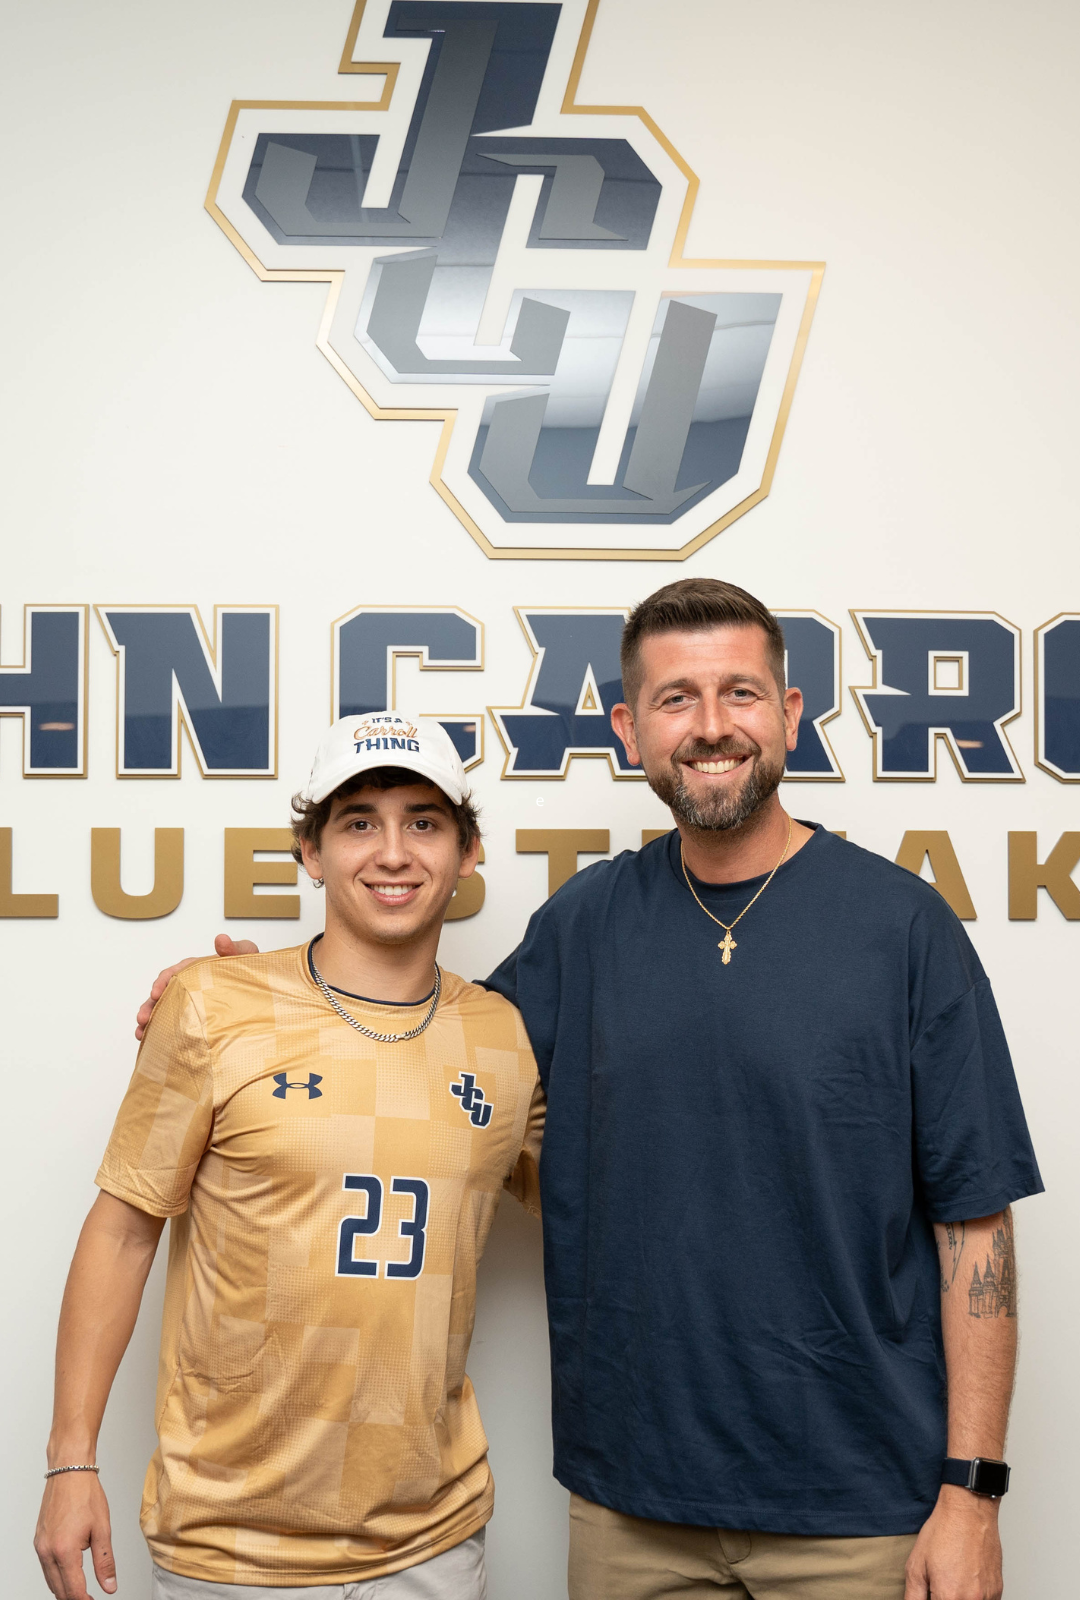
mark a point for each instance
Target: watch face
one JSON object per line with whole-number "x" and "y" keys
{"x": 990, "y": 1477}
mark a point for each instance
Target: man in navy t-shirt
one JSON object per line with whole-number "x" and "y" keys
{"x": 783, "y": 1136}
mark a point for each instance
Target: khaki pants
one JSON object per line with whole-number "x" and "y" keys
{"x": 614, "y": 1557}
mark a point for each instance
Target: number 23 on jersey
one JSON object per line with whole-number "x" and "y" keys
{"x": 410, "y": 1228}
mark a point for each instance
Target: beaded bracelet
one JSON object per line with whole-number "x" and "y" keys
{"x": 52, "y": 1472}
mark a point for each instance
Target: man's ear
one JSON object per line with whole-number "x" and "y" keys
{"x": 470, "y": 857}
{"x": 622, "y": 720}
{"x": 793, "y": 710}
{"x": 310, "y": 856}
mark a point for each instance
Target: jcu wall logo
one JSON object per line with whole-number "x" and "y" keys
{"x": 511, "y": 262}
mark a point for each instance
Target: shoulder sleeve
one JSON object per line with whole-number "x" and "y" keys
{"x": 973, "y": 1153}
{"x": 165, "y": 1119}
{"x": 504, "y": 979}
{"x": 530, "y": 980}
{"x": 524, "y": 1182}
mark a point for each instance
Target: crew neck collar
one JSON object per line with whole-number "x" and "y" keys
{"x": 365, "y": 999}
{"x": 743, "y": 885}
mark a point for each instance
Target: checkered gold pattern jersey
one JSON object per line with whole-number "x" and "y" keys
{"x": 314, "y": 1418}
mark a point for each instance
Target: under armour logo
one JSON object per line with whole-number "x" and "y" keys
{"x": 283, "y": 1085}
{"x": 472, "y": 1099}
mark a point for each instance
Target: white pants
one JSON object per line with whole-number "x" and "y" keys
{"x": 457, "y": 1574}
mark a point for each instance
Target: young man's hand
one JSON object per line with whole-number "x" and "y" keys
{"x": 74, "y": 1517}
{"x": 957, "y": 1555}
{"x": 223, "y": 946}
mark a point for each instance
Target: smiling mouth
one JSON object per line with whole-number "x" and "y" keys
{"x": 392, "y": 894}
{"x": 727, "y": 765}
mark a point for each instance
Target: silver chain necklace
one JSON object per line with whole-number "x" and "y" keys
{"x": 369, "y": 1033}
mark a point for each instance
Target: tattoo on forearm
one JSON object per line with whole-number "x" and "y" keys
{"x": 950, "y": 1256}
{"x": 993, "y": 1291}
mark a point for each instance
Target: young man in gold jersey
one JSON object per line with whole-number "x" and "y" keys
{"x": 329, "y": 1127}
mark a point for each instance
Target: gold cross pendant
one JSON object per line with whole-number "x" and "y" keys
{"x": 727, "y": 946}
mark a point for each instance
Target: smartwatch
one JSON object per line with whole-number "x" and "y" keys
{"x": 981, "y": 1476}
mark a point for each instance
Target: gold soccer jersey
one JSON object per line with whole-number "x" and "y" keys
{"x": 330, "y": 1198}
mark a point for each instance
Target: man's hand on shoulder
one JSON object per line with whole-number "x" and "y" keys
{"x": 74, "y": 1517}
{"x": 223, "y": 946}
{"x": 957, "y": 1555}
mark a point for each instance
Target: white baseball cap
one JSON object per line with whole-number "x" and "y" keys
{"x": 386, "y": 739}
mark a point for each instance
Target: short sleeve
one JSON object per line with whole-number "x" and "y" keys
{"x": 530, "y": 980}
{"x": 524, "y": 1182}
{"x": 164, "y": 1122}
{"x": 504, "y": 979}
{"x": 973, "y": 1154}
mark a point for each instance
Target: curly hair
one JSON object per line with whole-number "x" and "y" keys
{"x": 310, "y": 817}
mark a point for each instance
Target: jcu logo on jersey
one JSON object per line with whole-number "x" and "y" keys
{"x": 472, "y": 1099}
{"x": 511, "y": 262}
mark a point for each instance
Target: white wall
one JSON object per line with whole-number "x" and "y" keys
{"x": 171, "y": 433}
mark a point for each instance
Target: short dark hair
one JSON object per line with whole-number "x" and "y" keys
{"x": 693, "y": 605}
{"x": 310, "y": 817}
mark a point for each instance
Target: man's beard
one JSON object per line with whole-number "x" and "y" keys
{"x": 722, "y": 808}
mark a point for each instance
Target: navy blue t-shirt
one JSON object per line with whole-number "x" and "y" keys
{"x": 740, "y": 1169}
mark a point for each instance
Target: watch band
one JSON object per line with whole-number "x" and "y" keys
{"x": 981, "y": 1476}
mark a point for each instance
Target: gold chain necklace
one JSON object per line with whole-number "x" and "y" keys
{"x": 728, "y": 944}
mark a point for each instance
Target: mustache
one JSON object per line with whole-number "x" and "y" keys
{"x": 722, "y": 750}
